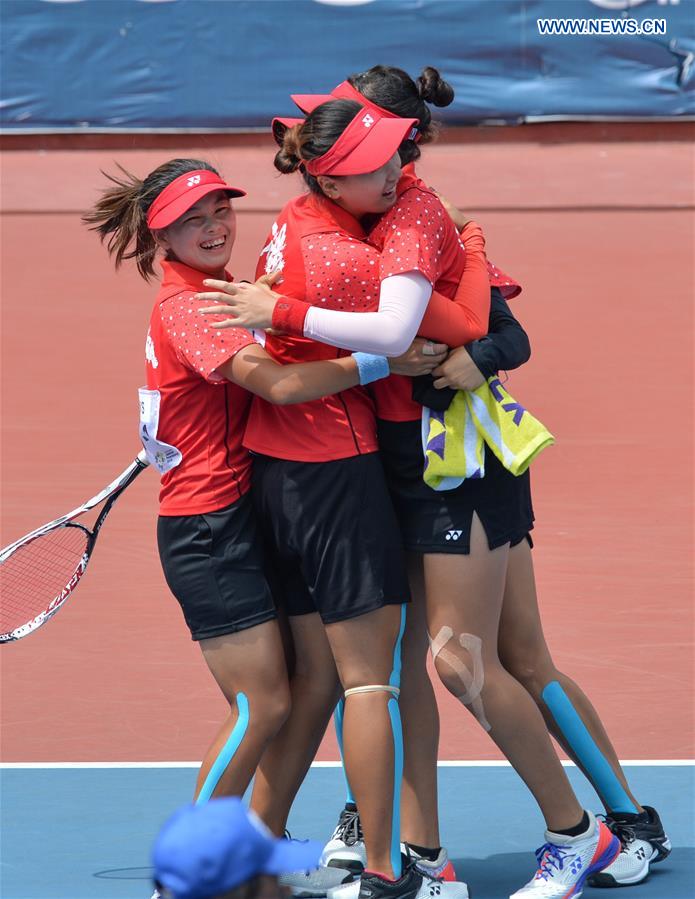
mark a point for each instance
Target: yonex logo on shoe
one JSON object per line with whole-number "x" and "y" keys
{"x": 193, "y": 180}
{"x": 576, "y": 866}
{"x": 453, "y": 535}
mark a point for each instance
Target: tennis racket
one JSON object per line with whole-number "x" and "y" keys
{"x": 40, "y": 571}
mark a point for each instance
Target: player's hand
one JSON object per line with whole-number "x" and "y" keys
{"x": 458, "y": 371}
{"x": 419, "y": 359}
{"x": 459, "y": 218}
{"x": 249, "y": 305}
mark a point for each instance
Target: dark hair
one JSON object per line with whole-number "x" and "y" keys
{"x": 120, "y": 216}
{"x": 394, "y": 90}
{"x": 320, "y": 130}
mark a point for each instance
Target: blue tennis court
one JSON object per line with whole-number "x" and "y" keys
{"x": 85, "y": 832}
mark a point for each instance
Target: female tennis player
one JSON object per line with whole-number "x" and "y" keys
{"x": 568, "y": 713}
{"x": 465, "y": 581}
{"x": 195, "y": 409}
{"x": 318, "y": 245}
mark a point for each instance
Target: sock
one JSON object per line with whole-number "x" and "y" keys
{"x": 431, "y": 855}
{"x": 578, "y": 829}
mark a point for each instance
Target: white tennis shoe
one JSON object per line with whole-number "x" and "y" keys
{"x": 565, "y": 863}
{"x": 346, "y": 848}
{"x": 316, "y": 884}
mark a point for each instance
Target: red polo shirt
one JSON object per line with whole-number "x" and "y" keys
{"x": 318, "y": 246}
{"x": 416, "y": 234}
{"x": 201, "y": 412}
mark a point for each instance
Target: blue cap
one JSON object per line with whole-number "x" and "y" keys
{"x": 206, "y": 849}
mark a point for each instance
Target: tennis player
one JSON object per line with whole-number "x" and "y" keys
{"x": 318, "y": 245}
{"x": 568, "y": 712}
{"x": 194, "y": 409}
{"x": 464, "y": 578}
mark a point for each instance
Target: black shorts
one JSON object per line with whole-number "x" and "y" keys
{"x": 213, "y": 564}
{"x": 334, "y": 543}
{"x": 440, "y": 521}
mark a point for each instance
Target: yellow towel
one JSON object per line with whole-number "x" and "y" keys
{"x": 453, "y": 440}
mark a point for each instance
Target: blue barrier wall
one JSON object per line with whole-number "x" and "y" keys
{"x": 218, "y": 64}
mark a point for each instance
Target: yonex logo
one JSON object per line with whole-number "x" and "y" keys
{"x": 453, "y": 535}
{"x": 193, "y": 180}
{"x": 367, "y": 120}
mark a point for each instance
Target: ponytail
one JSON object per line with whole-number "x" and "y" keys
{"x": 119, "y": 217}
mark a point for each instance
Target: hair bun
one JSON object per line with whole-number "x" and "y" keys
{"x": 433, "y": 88}
{"x": 287, "y": 159}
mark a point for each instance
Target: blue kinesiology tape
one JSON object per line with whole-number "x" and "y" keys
{"x": 338, "y": 723}
{"x": 228, "y": 751}
{"x": 585, "y": 749}
{"x": 397, "y": 731}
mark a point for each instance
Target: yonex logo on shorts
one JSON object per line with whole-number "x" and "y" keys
{"x": 367, "y": 120}
{"x": 453, "y": 535}
{"x": 193, "y": 180}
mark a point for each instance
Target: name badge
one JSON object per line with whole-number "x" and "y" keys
{"x": 161, "y": 455}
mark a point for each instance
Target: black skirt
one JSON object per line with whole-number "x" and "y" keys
{"x": 434, "y": 521}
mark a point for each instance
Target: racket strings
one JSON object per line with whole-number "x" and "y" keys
{"x": 36, "y": 573}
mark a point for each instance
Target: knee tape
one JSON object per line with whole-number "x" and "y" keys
{"x": 228, "y": 751}
{"x": 472, "y": 683}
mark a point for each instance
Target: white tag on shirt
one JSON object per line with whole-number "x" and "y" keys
{"x": 161, "y": 455}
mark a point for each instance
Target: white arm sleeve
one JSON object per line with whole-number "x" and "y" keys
{"x": 403, "y": 300}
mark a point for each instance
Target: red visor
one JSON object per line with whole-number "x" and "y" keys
{"x": 368, "y": 142}
{"x": 184, "y": 192}
{"x": 345, "y": 91}
{"x": 280, "y": 124}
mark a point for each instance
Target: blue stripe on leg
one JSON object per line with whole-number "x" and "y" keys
{"x": 228, "y": 751}
{"x": 584, "y": 746}
{"x": 338, "y": 723}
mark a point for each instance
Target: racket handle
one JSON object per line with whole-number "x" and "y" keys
{"x": 142, "y": 458}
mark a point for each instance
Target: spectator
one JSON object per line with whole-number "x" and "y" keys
{"x": 220, "y": 850}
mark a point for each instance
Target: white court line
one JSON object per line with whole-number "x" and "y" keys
{"x": 485, "y": 763}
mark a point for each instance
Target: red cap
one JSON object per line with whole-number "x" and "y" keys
{"x": 368, "y": 142}
{"x": 184, "y": 192}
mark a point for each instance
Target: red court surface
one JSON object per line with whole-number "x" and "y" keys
{"x": 596, "y": 221}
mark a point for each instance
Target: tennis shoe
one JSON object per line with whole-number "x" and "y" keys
{"x": 346, "y": 849}
{"x": 565, "y": 863}
{"x": 315, "y": 884}
{"x": 643, "y": 843}
{"x": 441, "y": 867}
{"x": 413, "y": 884}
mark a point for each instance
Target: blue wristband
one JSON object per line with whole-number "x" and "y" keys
{"x": 371, "y": 368}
